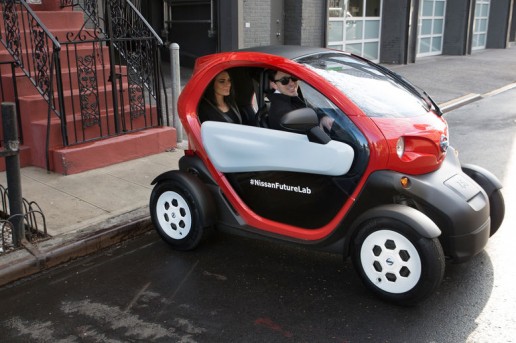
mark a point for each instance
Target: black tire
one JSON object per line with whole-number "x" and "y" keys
{"x": 397, "y": 263}
{"x": 175, "y": 215}
{"x": 496, "y": 210}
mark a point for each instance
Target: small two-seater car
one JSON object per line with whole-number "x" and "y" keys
{"x": 382, "y": 186}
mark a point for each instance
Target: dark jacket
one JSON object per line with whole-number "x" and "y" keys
{"x": 280, "y": 105}
{"x": 208, "y": 111}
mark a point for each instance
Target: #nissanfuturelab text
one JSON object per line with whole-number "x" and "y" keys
{"x": 280, "y": 186}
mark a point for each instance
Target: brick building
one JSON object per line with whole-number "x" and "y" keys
{"x": 386, "y": 31}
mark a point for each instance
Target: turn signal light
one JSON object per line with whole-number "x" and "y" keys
{"x": 405, "y": 182}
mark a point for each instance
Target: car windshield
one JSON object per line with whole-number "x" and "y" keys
{"x": 377, "y": 93}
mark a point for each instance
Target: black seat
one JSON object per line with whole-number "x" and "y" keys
{"x": 243, "y": 84}
{"x": 263, "y": 91}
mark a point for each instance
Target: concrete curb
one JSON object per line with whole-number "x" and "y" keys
{"x": 472, "y": 97}
{"x": 458, "y": 102}
{"x": 62, "y": 249}
{"x": 501, "y": 89}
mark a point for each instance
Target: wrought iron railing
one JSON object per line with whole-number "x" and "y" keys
{"x": 133, "y": 83}
{"x": 101, "y": 79}
{"x": 33, "y": 48}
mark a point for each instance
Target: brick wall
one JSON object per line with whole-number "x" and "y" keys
{"x": 293, "y": 21}
{"x": 304, "y": 22}
{"x": 512, "y": 35}
{"x": 498, "y": 27}
{"x": 394, "y": 32}
{"x": 257, "y": 14}
{"x": 313, "y": 30}
{"x": 456, "y": 27}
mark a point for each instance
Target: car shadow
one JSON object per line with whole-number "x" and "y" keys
{"x": 282, "y": 292}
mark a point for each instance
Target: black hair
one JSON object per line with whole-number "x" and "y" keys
{"x": 271, "y": 74}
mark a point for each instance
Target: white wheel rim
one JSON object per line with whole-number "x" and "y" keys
{"x": 174, "y": 215}
{"x": 390, "y": 261}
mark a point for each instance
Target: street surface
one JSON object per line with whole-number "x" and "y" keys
{"x": 234, "y": 289}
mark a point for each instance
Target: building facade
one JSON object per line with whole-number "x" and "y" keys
{"x": 385, "y": 31}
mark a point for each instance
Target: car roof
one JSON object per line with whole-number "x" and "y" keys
{"x": 291, "y": 52}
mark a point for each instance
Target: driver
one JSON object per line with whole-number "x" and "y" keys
{"x": 286, "y": 98}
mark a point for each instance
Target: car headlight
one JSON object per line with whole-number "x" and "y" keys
{"x": 400, "y": 147}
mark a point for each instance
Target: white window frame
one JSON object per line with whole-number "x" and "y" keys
{"x": 477, "y": 29}
{"x": 341, "y": 44}
{"x": 431, "y": 36}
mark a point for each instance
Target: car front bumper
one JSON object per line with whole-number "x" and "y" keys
{"x": 450, "y": 198}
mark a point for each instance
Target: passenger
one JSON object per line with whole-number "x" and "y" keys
{"x": 217, "y": 103}
{"x": 286, "y": 98}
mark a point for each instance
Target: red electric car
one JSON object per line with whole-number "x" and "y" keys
{"x": 382, "y": 185}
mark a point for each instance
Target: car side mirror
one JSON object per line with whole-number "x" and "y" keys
{"x": 304, "y": 121}
{"x": 299, "y": 121}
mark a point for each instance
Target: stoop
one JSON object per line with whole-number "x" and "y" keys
{"x": 88, "y": 156}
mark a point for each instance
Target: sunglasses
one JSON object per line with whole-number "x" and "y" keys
{"x": 286, "y": 80}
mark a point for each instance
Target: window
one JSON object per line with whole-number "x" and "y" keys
{"x": 480, "y": 24}
{"x": 431, "y": 27}
{"x": 354, "y": 26}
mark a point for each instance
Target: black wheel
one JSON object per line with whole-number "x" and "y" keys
{"x": 396, "y": 263}
{"x": 175, "y": 214}
{"x": 496, "y": 210}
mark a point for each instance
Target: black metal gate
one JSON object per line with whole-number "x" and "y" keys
{"x": 193, "y": 25}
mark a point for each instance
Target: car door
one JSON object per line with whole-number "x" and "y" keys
{"x": 280, "y": 175}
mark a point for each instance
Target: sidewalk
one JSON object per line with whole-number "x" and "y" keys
{"x": 92, "y": 210}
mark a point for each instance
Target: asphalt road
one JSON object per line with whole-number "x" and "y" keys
{"x": 234, "y": 289}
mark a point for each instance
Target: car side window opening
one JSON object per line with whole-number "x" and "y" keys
{"x": 217, "y": 102}
{"x": 249, "y": 97}
{"x": 230, "y": 97}
{"x": 276, "y": 91}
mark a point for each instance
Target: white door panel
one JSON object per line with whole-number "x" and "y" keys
{"x": 236, "y": 148}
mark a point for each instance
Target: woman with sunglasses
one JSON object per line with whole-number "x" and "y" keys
{"x": 285, "y": 98}
{"x": 218, "y": 103}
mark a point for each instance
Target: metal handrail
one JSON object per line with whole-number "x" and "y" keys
{"x": 39, "y": 39}
{"x": 42, "y": 68}
{"x": 145, "y": 22}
